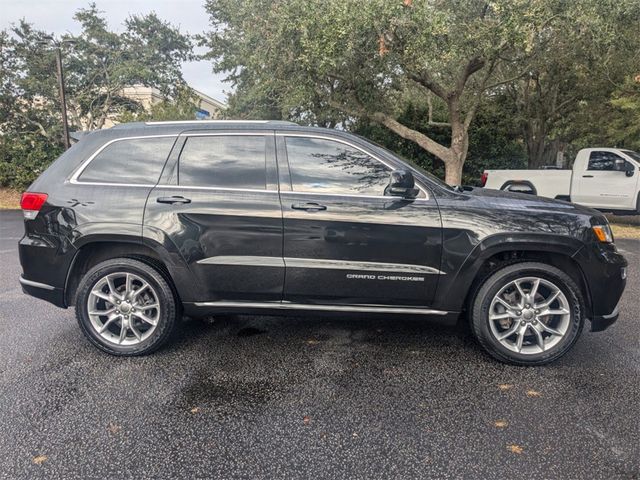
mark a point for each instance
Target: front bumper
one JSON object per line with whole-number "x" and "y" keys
{"x": 43, "y": 291}
{"x": 602, "y": 322}
{"x": 605, "y": 273}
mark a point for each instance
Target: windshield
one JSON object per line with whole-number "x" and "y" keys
{"x": 632, "y": 154}
{"x": 427, "y": 174}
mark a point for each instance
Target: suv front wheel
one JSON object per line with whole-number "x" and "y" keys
{"x": 527, "y": 314}
{"x": 126, "y": 307}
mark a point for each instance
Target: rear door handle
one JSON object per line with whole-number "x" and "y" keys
{"x": 172, "y": 200}
{"x": 587, "y": 176}
{"x": 309, "y": 207}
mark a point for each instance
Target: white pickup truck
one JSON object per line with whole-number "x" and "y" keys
{"x": 603, "y": 178}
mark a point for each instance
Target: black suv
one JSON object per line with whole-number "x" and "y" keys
{"x": 144, "y": 222}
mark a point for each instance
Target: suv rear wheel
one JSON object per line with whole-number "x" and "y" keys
{"x": 527, "y": 314}
{"x": 126, "y": 307}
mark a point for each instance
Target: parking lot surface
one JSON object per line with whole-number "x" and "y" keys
{"x": 267, "y": 397}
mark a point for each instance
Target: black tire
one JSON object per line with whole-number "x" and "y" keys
{"x": 167, "y": 317}
{"x": 489, "y": 287}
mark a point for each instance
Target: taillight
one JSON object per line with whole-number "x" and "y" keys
{"x": 483, "y": 178}
{"x": 31, "y": 203}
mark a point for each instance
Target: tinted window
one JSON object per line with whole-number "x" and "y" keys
{"x": 135, "y": 161}
{"x": 232, "y": 161}
{"x": 326, "y": 166}
{"x": 605, "y": 161}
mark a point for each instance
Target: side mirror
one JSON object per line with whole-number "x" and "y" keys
{"x": 401, "y": 184}
{"x": 629, "y": 169}
{"x": 621, "y": 165}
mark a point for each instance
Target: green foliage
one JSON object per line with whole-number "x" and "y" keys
{"x": 98, "y": 64}
{"x": 25, "y": 157}
{"x": 348, "y": 62}
{"x": 623, "y": 127}
{"x": 336, "y": 61}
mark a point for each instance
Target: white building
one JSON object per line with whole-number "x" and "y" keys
{"x": 208, "y": 108}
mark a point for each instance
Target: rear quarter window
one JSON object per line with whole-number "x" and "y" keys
{"x": 129, "y": 161}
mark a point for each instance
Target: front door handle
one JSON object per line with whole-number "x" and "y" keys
{"x": 309, "y": 207}
{"x": 587, "y": 176}
{"x": 172, "y": 200}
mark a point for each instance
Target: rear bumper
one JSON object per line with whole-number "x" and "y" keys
{"x": 43, "y": 291}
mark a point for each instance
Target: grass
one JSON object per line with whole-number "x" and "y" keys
{"x": 621, "y": 230}
{"x": 9, "y": 199}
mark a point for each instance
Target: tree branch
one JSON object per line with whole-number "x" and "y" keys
{"x": 430, "y": 145}
{"x": 430, "y": 118}
{"x": 428, "y": 82}
{"x": 474, "y": 65}
{"x": 407, "y": 133}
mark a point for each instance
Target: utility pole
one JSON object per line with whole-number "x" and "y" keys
{"x": 48, "y": 40}
{"x": 63, "y": 100}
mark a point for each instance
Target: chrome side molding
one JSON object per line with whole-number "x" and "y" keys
{"x": 324, "y": 308}
{"x": 330, "y": 264}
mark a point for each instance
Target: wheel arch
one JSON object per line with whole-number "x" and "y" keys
{"x": 501, "y": 250}
{"x": 92, "y": 251}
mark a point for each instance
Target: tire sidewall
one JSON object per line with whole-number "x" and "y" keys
{"x": 496, "y": 282}
{"x": 165, "y": 299}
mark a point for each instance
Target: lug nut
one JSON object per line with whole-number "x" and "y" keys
{"x": 118, "y": 302}
{"x": 519, "y": 312}
{"x": 537, "y": 312}
{"x": 523, "y": 323}
{"x": 535, "y": 322}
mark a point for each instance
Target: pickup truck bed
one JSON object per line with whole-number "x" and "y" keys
{"x": 546, "y": 183}
{"x": 603, "y": 178}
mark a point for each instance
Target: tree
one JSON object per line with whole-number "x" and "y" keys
{"x": 101, "y": 63}
{"x": 98, "y": 64}
{"x": 349, "y": 59}
{"x": 587, "y": 50}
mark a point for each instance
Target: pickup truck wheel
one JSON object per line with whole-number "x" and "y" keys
{"x": 126, "y": 307}
{"x": 528, "y": 314}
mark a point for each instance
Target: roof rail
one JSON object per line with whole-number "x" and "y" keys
{"x": 180, "y": 122}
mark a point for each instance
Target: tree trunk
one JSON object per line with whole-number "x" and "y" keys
{"x": 453, "y": 171}
{"x": 535, "y": 136}
{"x": 452, "y": 157}
{"x": 457, "y": 152}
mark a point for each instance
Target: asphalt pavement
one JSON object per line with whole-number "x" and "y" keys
{"x": 274, "y": 397}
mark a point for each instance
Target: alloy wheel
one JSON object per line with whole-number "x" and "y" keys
{"x": 123, "y": 308}
{"x": 529, "y": 315}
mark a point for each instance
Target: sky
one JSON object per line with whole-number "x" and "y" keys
{"x": 56, "y": 16}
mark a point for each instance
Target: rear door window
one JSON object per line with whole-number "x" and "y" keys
{"x": 224, "y": 161}
{"x": 134, "y": 161}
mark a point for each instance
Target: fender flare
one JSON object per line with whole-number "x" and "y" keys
{"x": 455, "y": 286}
{"x": 102, "y": 234}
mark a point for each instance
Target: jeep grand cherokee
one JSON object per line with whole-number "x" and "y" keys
{"x": 144, "y": 222}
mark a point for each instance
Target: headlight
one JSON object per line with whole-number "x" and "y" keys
{"x": 603, "y": 233}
